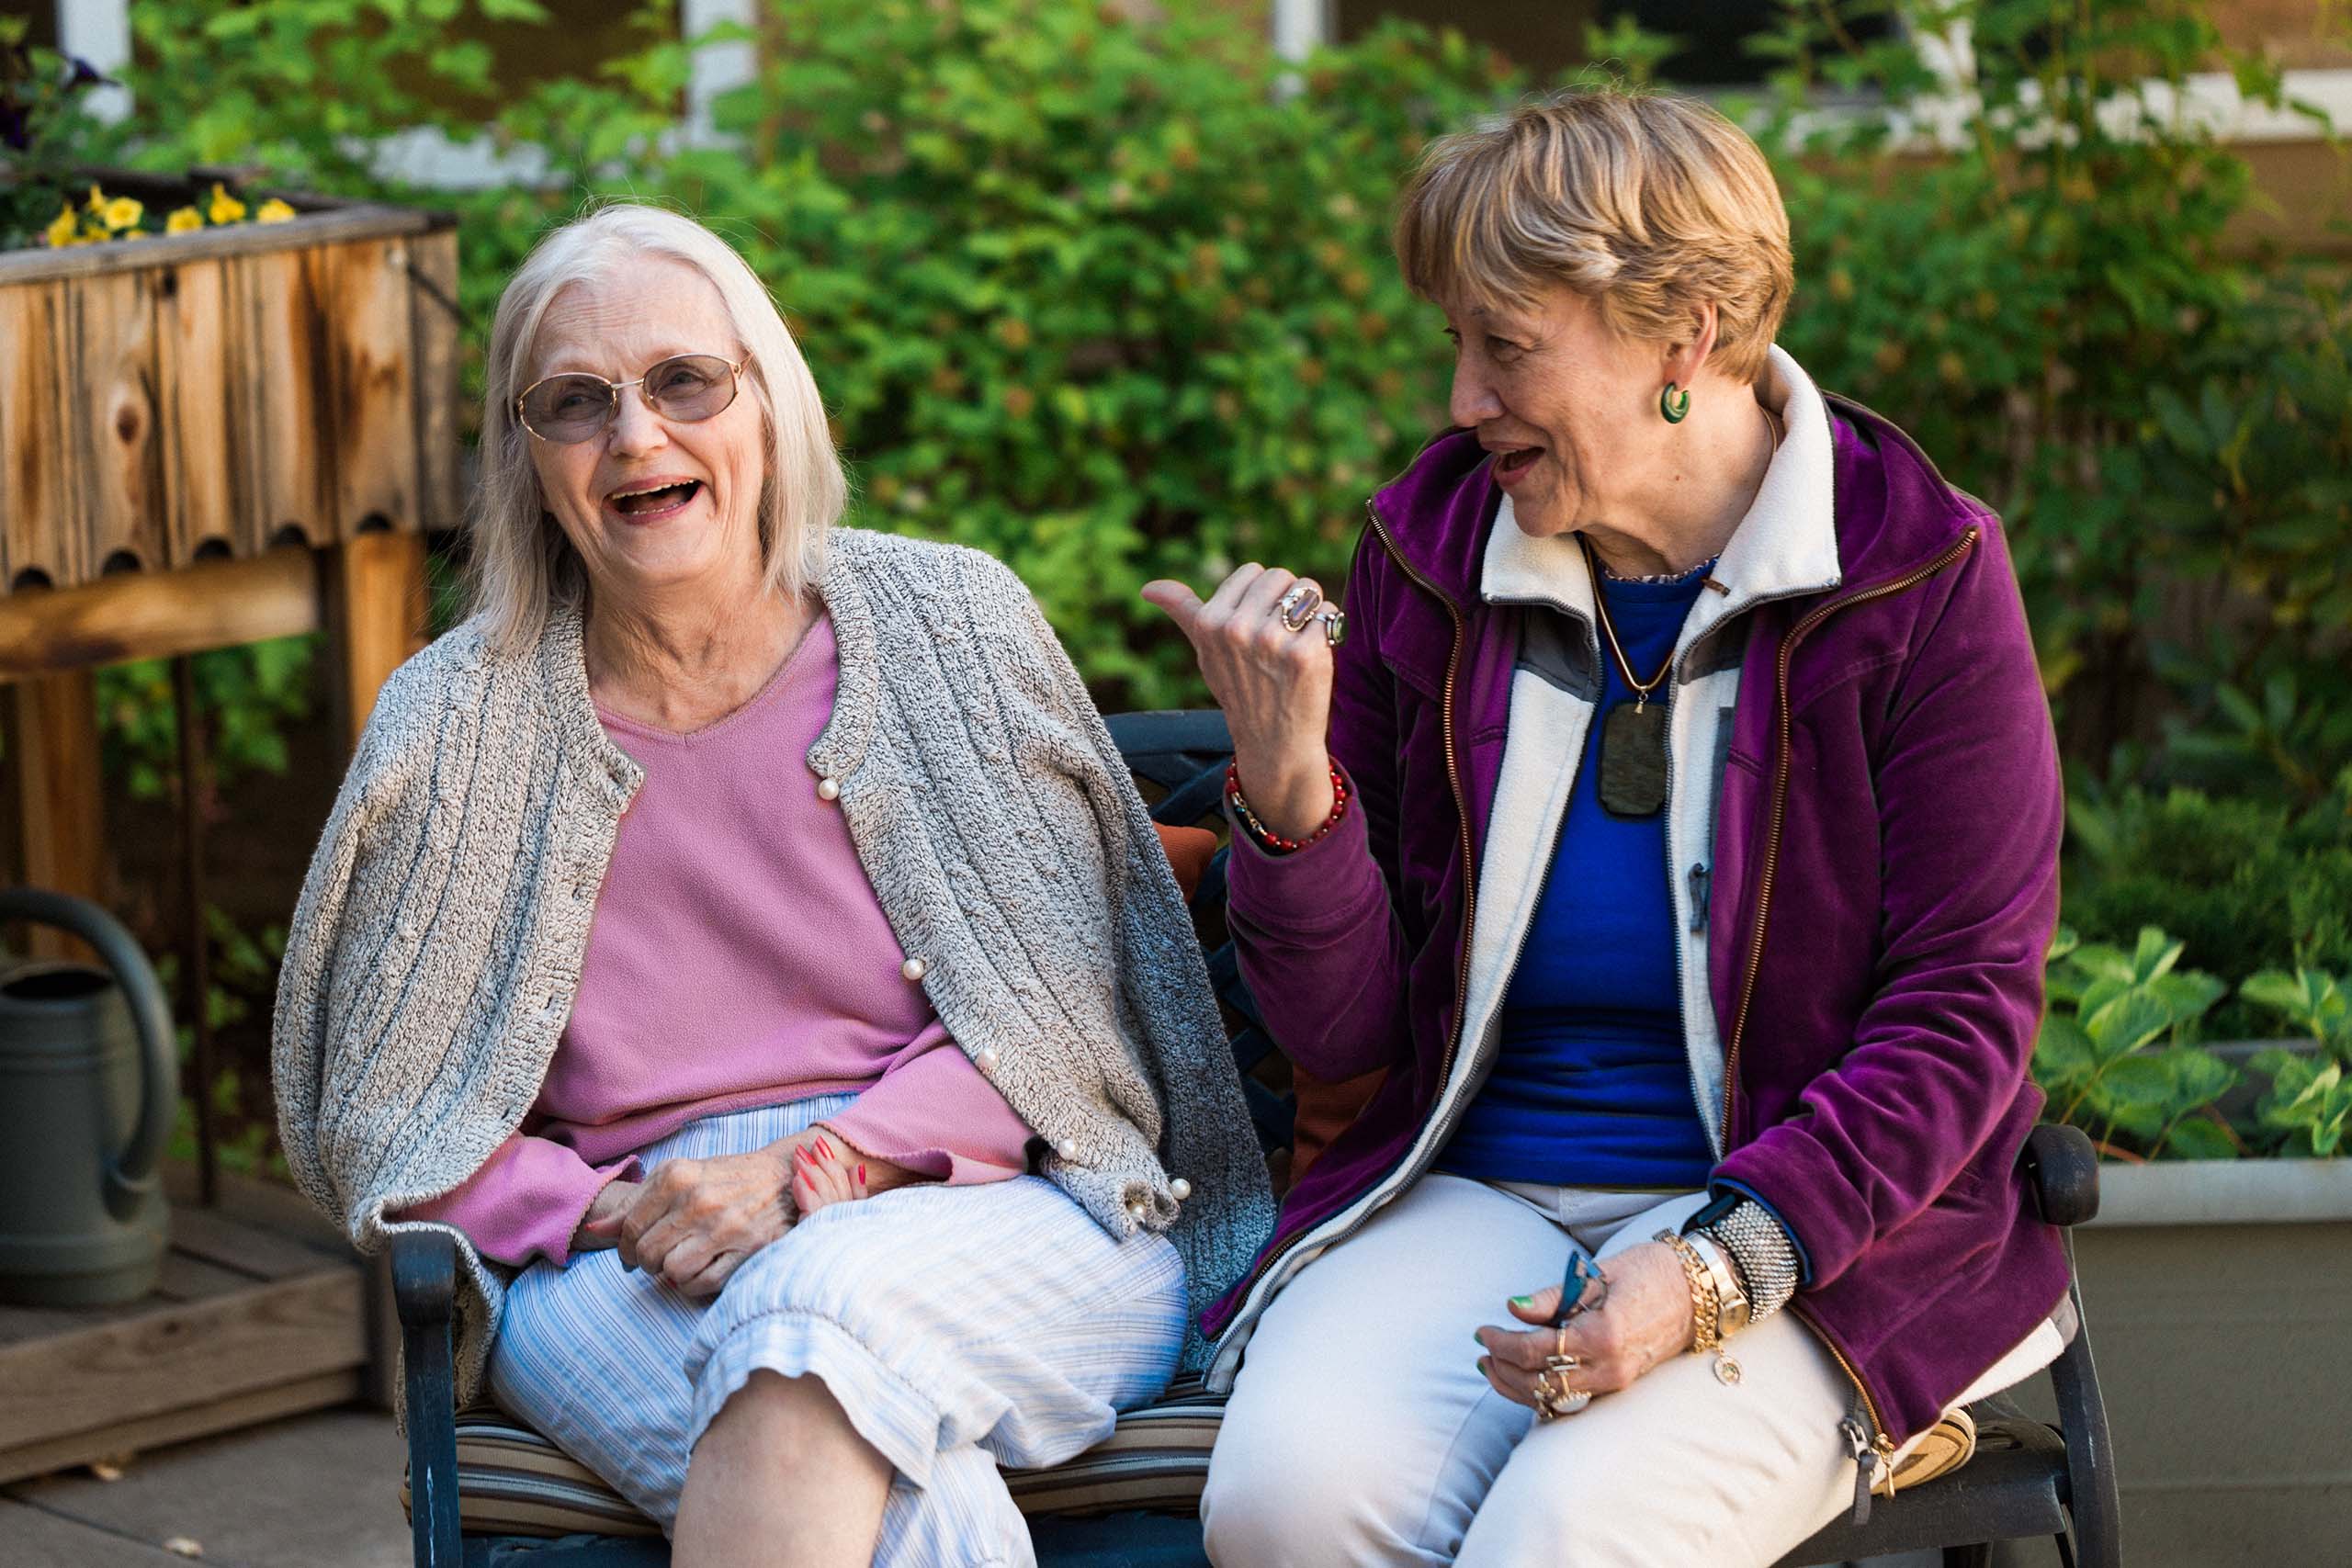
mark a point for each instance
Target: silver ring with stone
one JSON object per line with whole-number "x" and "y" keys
{"x": 1335, "y": 625}
{"x": 1297, "y": 606}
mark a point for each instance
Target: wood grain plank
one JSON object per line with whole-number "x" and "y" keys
{"x": 278, "y": 358}
{"x": 331, "y": 226}
{"x": 257, "y": 1254}
{"x": 21, "y": 1324}
{"x": 319, "y": 1391}
{"x": 433, "y": 264}
{"x": 154, "y": 615}
{"x": 267, "y": 1205}
{"x": 370, "y": 349}
{"x": 185, "y": 1354}
{"x": 53, "y": 749}
{"x": 37, "y": 482}
{"x": 376, "y": 607}
{"x": 110, "y": 365}
{"x": 197, "y": 416}
{"x": 188, "y": 1278}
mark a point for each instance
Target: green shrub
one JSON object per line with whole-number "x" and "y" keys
{"x": 2116, "y": 1053}
{"x": 2248, "y": 884}
{"x": 2119, "y": 1055}
{"x": 2054, "y": 309}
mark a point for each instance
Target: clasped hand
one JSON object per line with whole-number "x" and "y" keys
{"x": 1645, "y": 1320}
{"x": 694, "y": 1222}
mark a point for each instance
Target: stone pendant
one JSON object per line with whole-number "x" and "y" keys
{"x": 1633, "y": 760}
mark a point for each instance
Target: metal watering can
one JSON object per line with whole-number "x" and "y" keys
{"x": 88, "y": 1084}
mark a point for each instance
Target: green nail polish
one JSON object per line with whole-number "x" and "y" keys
{"x": 1525, "y": 1303}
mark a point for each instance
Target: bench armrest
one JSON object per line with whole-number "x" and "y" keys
{"x": 424, "y": 1290}
{"x": 2064, "y": 1171}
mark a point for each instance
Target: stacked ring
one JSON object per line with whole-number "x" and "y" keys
{"x": 1553, "y": 1398}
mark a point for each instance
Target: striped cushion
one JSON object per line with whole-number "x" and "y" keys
{"x": 511, "y": 1481}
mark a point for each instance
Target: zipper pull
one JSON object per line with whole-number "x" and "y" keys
{"x": 1857, "y": 1443}
{"x": 1701, "y": 883}
{"x": 1883, "y": 1450}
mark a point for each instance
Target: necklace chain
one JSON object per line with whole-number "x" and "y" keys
{"x": 1642, "y": 689}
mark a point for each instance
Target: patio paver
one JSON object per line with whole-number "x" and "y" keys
{"x": 318, "y": 1491}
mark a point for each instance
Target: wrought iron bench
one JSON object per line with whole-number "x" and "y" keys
{"x": 1128, "y": 1504}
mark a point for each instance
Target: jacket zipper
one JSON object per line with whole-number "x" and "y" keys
{"x": 1881, "y": 1442}
{"x": 1469, "y": 889}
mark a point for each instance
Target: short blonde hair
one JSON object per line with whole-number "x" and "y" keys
{"x": 1647, "y": 203}
{"x": 523, "y": 565}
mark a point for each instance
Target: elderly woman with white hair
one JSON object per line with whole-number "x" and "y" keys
{"x": 742, "y": 932}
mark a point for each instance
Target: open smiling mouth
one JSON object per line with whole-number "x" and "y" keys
{"x": 653, "y": 502}
{"x": 1510, "y": 465}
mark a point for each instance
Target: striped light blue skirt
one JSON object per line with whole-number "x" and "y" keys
{"x": 960, "y": 1327}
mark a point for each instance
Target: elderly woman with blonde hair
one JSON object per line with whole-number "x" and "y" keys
{"x": 742, "y": 933}
{"x": 1677, "y": 830}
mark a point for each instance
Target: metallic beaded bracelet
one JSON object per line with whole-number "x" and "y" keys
{"x": 1762, "y": 1252}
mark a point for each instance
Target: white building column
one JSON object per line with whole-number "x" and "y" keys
{"x": 718, "y": 69}
{"x": 1300, "y": 27}
{"x": 99, "y": 32}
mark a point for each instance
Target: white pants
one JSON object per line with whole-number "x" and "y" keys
{"x": 1362, "y": 1433}
{"x": 959, "y": 1327}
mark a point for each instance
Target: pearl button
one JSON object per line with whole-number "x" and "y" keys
{"x": 829, "y": 789}
{"x": 987, "y": 1059}
{"x": 1067, "y": 1148}
{"x": 1180, "y": 1190}
{"x": 1135, "y": 1212}
{"x": 914, "y": 968}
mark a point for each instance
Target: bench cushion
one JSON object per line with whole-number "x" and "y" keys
{"x": 511, "y": 1481}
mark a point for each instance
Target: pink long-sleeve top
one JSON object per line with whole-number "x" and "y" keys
{"x": 738, "y": 958}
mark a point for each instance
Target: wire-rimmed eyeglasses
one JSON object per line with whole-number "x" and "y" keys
{"x": 576, "y": 405}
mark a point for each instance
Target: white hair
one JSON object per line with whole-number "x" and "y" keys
{"x": 522, "y": 564}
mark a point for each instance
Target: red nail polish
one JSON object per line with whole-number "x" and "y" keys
{"x": 861, "y": 1174}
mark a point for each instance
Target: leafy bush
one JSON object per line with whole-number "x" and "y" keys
{"x": 42, "y": 129}
{"x": 2115, "y": 1054}
{"x": 2119, "y": 1055}
{"x": 248, "y": 697}
{"x": 2309, "y": 1102}
{"x": 2056, "y": 309}
{"x": 2248, "y": 884}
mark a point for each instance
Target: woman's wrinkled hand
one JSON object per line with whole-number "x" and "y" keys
{"x": 694, "y": 1222}
{"x": 1645, "y": 1320}
{"x": 600, "y": 1226}
{"x": 821, "y": 1177}
{"x": 1274, "y": 684}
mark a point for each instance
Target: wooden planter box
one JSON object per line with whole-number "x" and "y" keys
{"x": 209, "y": 439}
{"x": 190, "y": 396}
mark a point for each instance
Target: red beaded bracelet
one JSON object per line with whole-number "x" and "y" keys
{"x": 1266, "y": 835}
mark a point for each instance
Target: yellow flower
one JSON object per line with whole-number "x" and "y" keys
{"x": 273, "y": 211}
{"x": 61, "y": 231}
{"x": 225, "y": 208}
{"x": 97, "y": 202}
{"x": 182, "y": 222}
{"x": 122, "y": 212}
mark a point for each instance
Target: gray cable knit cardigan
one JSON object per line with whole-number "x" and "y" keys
{"x": 434, "y": 956}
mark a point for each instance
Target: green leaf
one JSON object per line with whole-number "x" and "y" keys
{"x": 2155, "y": 955}
{"x": 2125, "y": 1023}
{"x": 2199, "y": 1138}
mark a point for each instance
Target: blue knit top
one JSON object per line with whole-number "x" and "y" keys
{"x": 1593, "y": 1086}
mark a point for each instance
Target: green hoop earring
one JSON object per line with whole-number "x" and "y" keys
{"x": 1674, "y": 404}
